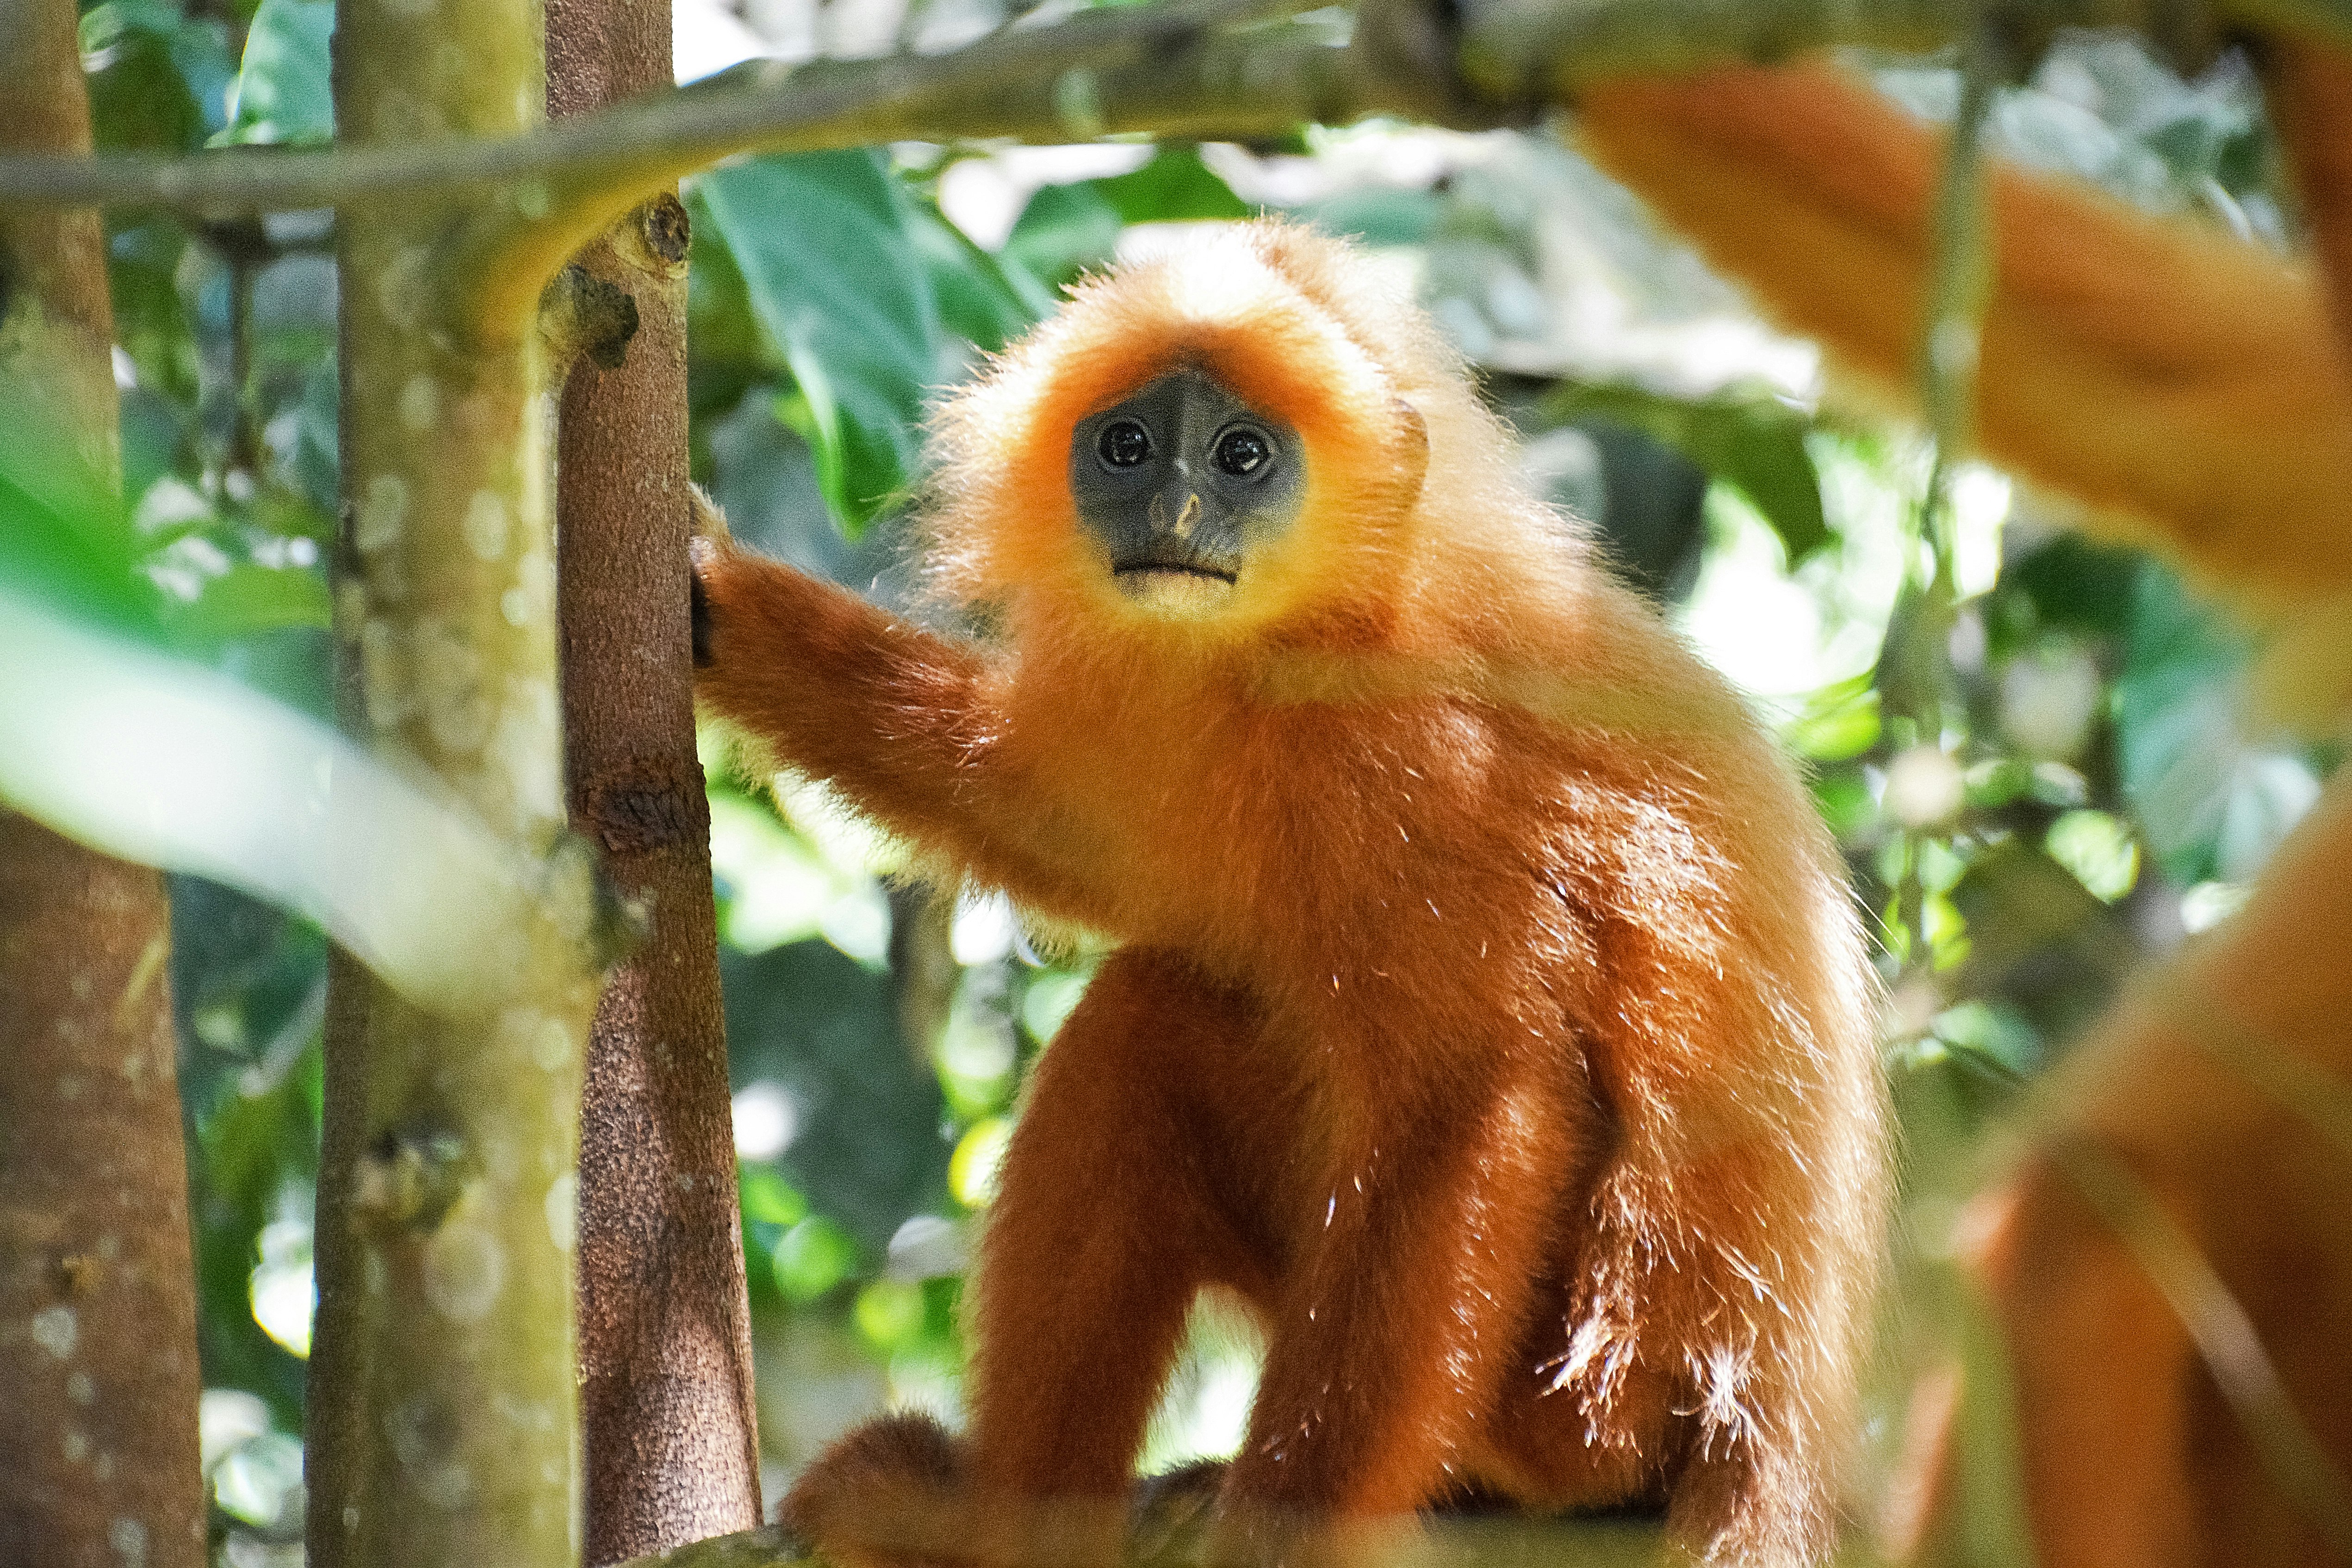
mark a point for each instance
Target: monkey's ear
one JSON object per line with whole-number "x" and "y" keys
{"x": 1411, "y": 450}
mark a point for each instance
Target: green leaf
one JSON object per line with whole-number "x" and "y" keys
{"x": 65, "y": 538}
{"x": 1840, "y": 722}
{"x": 1063, "y": 232}
{"x": 282, "y": 93}
{"x": 822, "y": 243}
{"x": 1378, "y": 215}
{"x": 812, "y": 1257}
{"x": 157, "y": 79}
{"x": 984, "y": 300}
{"x": 1748, "y": 439}
{"x": 2212, "y": 803}
{"x": 249, "y": 598}
{"x": 1174, "y": 187}
{"x": 2076, "y": 585}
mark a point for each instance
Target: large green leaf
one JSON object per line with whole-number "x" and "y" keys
{"x": 822, "y": 242}
{"x": 986, "y": 300}
{"x": 1067, "y": 230}
{"x": 1064, "y": 231}
{"x": 249, "y": 598}
{"x": 1378, "y": 215}
{"x": 157, "y": 78}
{"x": 65, "y": 538}
{"x": 2212, "y": 799}
{"x": 1174, "y": 187}
{"x": 1748, "y": 439}
{"x": 282, "y": 93}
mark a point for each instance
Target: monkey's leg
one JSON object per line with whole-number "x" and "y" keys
{"x": 900, "y": 720}
{"x": 1116, "y": 1205}
{"x": 1728, "y": 1278}
{"x": 1424, "y": 1248}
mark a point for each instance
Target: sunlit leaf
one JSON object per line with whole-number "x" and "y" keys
{"x": 249, "y": 598}
{"x": 282, "y": 93}
{"x": 171, "y": 765}
{"x": 1750, "y": 440}
{"x": 812, "y": 1257}
{"x": 769, "y": 1198}
{"x": 1176, "y": 186}
{"x": 1838, "y": 722}
{"x": 821, "y": 242}
{"x": 2098, "y": 849}
{"x": 1064, "y": 231}
{"x": 2213, "y": 801}
{"x": 889, "y": 1313}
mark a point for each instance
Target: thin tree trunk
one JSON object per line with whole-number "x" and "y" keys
{"x": 98, "y": 1379}
{"x": 664, "y": 1326}
{"x": 443, "y": 1411}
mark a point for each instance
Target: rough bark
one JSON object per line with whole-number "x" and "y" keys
{"x": 666, "y": 1412}
{"x": 444, "y": 1410}
{"x": 98, "y": 1461}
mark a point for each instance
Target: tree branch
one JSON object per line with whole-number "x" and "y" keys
{"x": 974, "y": 91}
{"x": 1159, "y": 69}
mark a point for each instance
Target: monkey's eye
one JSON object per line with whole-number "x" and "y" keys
{"x": 1123, "y": 443}
{"x": 1242, "y": 452}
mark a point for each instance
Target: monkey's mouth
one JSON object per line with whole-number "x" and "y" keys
{"x": 1175, "y": 568}
{"x": 1173, "y": 587}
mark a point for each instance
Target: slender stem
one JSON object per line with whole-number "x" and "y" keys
{"x": 245, "y": 429}
{"x": 669, "y": 1423}
{"x": 443, "y": 1426}
{"x": 1959, "y": 283}
{"x": 99, "y": 1376}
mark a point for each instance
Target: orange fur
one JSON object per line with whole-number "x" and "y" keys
{"x": 2185, "y": 383}
{"x": 1490, "y": 1016}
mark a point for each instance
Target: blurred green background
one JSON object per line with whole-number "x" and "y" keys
{"x": 2110, "y": 796}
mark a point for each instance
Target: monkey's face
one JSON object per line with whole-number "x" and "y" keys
{"x": 1182, "y": 483}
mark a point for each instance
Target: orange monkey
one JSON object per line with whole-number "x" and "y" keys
{"x": 1490, "y": 1017}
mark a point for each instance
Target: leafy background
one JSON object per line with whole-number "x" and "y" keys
{"x": 2115, "y": 795}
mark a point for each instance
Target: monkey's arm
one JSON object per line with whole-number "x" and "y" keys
{"x": 901, "y": 720}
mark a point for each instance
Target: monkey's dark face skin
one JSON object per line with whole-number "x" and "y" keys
{"x": 1180, "y": 482}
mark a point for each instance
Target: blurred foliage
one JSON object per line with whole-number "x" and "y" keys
{"x": 2111, "y": 796}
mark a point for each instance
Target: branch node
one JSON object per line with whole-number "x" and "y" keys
{"x": 582, "y": 315}
{"x": 655, "y": 237}
{"x": 410, "y": 1177}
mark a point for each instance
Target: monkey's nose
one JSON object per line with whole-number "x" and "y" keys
{"x": 1188, "y": 517}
